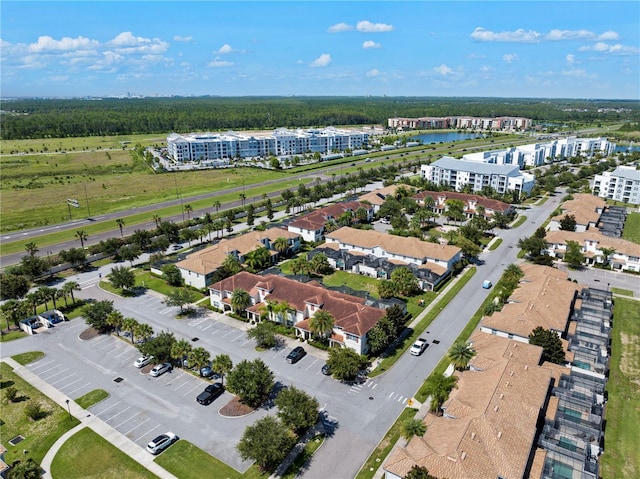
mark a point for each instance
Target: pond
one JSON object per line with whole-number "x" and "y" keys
{"x": 444, "y": 137}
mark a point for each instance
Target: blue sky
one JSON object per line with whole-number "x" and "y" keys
{"x": 549, "y": 49}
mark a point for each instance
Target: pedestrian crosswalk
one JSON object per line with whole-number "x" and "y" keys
{"x": 369, "y": 387}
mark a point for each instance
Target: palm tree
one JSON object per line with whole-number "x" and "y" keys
{"x": 413, "y": 427}
{"x": 242, "y": 198}
{"x": 188, "y": 208}
{"x": 115, "y": 319}
{"x": 69, "y": 287}
{"x": 222, "y": 365}
{"x": 606, "y": 254}
{"x": 280, "y": 311}
{"x": 82, "y": 237}
{"x": 281, "y": 245}
{"x": 217, "y": 205}
{"x": 513, "y": 271}
{"x": 321, "y": 323}
{"x": 199, "y": 358}
{"x": 32, "y": 301}
{"x": 130, "y": 324}
{"x": 180, "y": 350}
{"x": 31, "y": 248}
{"x": 258, "y": 259}
{"x": 143, "y": 331}
{"x": 45, "y": 293}
{"x": 460, "y": 354}
{"x": 120, "y": 223}
{"x": 240, "y": 300}
{"x": 439, "y": 387}
{"x": 157, "y": 220}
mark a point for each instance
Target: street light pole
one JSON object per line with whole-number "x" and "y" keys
{"x": 68, "y": 408}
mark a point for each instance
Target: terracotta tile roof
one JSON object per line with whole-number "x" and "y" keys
{"x": 496, "y": 413}
{"x": 583, "y": 207}
{"x": 377, "y": 197}
{"x": 316, "y": 219}
{"x": 487, "y": 203}
{"x": 349, "y": 312}
{"x": 409, "y": 247}
{"x": 537, "y": 466}
{"x": 620, "y": 245}
{"x": 209, "y": 259}
{"x": 544, "y": 297}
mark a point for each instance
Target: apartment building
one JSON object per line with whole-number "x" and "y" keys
{"x": 621, "y": 184}
{"x": 503, "y": 123}
{"x": 376, "y": 198}
{"x": 198, "y": 268}
{"x": 353, "y": 318}
{"x": 312, "y": 225}
{"x": 473, "y": 204}
{"x": 456, "y": 174}
{"x": 198, "y": 147}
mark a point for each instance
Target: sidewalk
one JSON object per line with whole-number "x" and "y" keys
{"x": 87, "y": 419}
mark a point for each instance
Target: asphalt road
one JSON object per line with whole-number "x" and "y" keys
{"x": 357, "y": 415}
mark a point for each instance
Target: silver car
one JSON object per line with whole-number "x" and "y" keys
{"x": 142, "y": 361}
{"x": 161, "y": 442}
{"x": 159, "y": 369}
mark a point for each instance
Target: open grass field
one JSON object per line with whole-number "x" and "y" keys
{"x": 631, "y": 230}
{"x": 85, "y": 454}
{"x": 621, "y": 456}
{"x": 39, "y": 435}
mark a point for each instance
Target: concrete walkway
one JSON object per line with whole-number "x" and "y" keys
{"x": 87, "y": 419}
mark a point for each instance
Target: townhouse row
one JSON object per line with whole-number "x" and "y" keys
{"x": 503, "y": 123}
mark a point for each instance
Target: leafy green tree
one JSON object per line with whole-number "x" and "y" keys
{"x": 251, "y": 381}
{"x": 455, "y": 210}
{"x": 122, "y": 277}
{"x": 170, "y": 230}
{"x": 405, "y": 281}
{"x": 240, "y": 300}
{"x": 297, "y": 409}
{"x": 533, "y": 245}
{"x": 34, "y": 410}
{"x": 14, "y": 311}
{"x": 460, "y": 354}
{"x": 500, "y": 220}
{"x": 387, "y": 288}
{"x": 345, "y": 363}
{"x": 179, "y": 297}
{"x": 413, "y": 427}
{"x": 95, "y": 314}
{"x": 267, "y": 442}
{"x": 222, "y": 365}
{"x": 319, "y": 264}
{"x": 160, "y": 346}
{"x": 574, "y": 256}
{"x": 28, "y": 469}
{"x": 321, "y": 323}
{"x": 264, "y": 334}
{"x": 568, "y": 223}
{"x": 171, "y": 274}
{"x": 33, "y": 266}
{"x": 13, "y": 286}
{"x": 199, "y": 358}
{"x": 551, "y": 344}
{"x": 469, "y": 248}
{"x": 439, "y": 386}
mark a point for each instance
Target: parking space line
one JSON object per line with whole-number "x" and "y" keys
{"x": 73, "y": 382}
{"x": 208, "y": 326}
{"x": 148, "y": 433}
{"x": 136, "y": 427}
{"x": 77, "y": 389}
{"x": 38, "y": 366}
{"x": 227, "y": 334}
{"x": 239, "y": 336}
{"x": 191, "y": 390}
{"x": 117, "y": 414}
{"x": 106, "y": 338}
{"x": 184, "y": 383}
{"x": 66, "y": 377}
{"x": 54, "y": 375}
{"x": 105, "y": 410}
{"x": 128, "y": 419}
{"x": 123, "y": 352}
{"x": 309, "y": 367}
{"x": 47, "y": 370}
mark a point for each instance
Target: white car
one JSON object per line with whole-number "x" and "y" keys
{"x": 418, "y": 347}
{"x": 142, "y": 361}
{"x": 159, "y": 369}
{"x": 161, "y": 442}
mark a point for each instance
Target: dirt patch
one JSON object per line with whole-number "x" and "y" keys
{"x": 235, "y": 408}
{"x": 89, "y": 333}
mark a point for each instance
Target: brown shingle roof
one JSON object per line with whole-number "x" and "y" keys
{"x": 211, "y": 258}
{"x": 349, "y": 312}
{"x": 409, "y": 247}
{"x": 377, "y": 197}
{"x": 487, "y": 203}
{"x": 620, "y": 245}
{"x": 497, "y": 410}
{"x": 316, "y": 219}
{"x": 583, "y": 207}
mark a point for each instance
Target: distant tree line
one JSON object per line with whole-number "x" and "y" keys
{"x": 56, "y": 118}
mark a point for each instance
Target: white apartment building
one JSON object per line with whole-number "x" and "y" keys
{"x": 283, "y": 142}
{"x": 621, "y": 184}
{"x": 458, "y": 173}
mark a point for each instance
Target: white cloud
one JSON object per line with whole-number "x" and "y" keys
{"x": 443, "y": 70}
{"x": 608, "y": 35}
{"x": 369, "y": 44}
{"x": 570, "y": 35}
{"x": 322, "y": 61}
{"x": 616, "y": 49}
{"x": 578, "y": 73}
{"x": 368, "y": 27}
{"x": 372, "y": 73}
{"x": 47, "y": 44}
{"x": 127, "y": 43}
{"x": 225, "y": 49}
{"x": 570, "y": 59}
{"x": 521, "y": 36}
{"x": 178, "y": 38}
{"x": 340, "y": 27}
{"x": 510, "y": 57}
{"x": 218, "y": 63}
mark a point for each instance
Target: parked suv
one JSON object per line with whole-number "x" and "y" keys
{"x": 161, "y": 442}
{"x": 142, "y": 361}
{"x": 210, "y": 393}
{"x": 296, "y": 355}
{"x": 159, "y": 369}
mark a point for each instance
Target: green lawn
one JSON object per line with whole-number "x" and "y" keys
{"x": 624, "y": 292}
{"x": 358, "y": 282}
{"x": 632, "y": 228}
{"x": 87, "y": 455}
{"x": 91, "y": 398}
{"x": 521, "y": 219}
{"x": 11, "y": 335}
{"x": 26, "y": 358}
{"x": 39, "y": 435}
{"x": 495, "y": 244}
{"x": 186, "y": 461}
{"x": 621, "y": 457}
